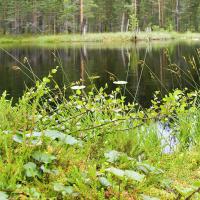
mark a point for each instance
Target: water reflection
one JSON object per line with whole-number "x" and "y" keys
{"x": 169, "y": 142}
{"x": 109, "y": 61}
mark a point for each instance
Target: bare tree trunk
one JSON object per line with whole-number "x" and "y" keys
{"x": 99, "y": 27}
{"x": 54, "y": 25}
{"x": 4, "y": 18}
{"x": 135, "y": 7}
{"x": 16, "y": 22}
{"x": 34, "y": 24}
{"x": 84, "y": 28}
{"x": 177, "y": 14}
{"x": 127, "y": 25}
{"x": 122, "y": 23}
{"x": 43, "y": 24}
{"x": 66, "y": 28}
{"x": 161, "y": 12}
{"x": 81, "y": 16}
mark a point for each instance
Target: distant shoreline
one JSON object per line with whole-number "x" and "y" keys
{"x": 98, "y": 37}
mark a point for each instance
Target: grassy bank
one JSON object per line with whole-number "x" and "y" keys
{"x": 94, "y": 146}
{"x": 98, "y": 37}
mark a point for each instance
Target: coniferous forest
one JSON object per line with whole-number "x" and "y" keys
{"x": 71, "y": 16}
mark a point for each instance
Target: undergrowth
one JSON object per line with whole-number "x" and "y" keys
{"x": 93, "y": 145}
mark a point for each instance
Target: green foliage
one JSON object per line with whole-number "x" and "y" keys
{"x": 94, "y": 145}
{"x": 62, "y": 16}
{"x": 65, "y": 190}
{"x": 31, "y": 170}
{"x": 133, "y": 23}
{"x": 43, "y": 157}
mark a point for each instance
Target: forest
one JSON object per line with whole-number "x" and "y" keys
{"x": 73, "y": 16}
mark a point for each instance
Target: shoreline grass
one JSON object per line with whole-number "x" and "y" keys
{"x": 99, "y": 37}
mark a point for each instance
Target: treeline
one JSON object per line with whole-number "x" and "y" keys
{"x": 62, "y": 16}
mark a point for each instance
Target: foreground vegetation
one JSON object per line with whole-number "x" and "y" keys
{"x": 98, "y": 37}
{"x": 94, "y": 146}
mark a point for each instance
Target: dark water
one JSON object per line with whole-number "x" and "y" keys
{"x": 109, "y": 61}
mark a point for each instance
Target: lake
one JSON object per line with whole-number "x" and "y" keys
{"x": 146, "y": 66}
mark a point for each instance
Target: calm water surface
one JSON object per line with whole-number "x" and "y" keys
{"x": 108, "y": 61}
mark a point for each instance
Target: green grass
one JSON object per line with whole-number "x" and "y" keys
{"x": 94, "y": 146}
{"x": 97, "y": 37}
